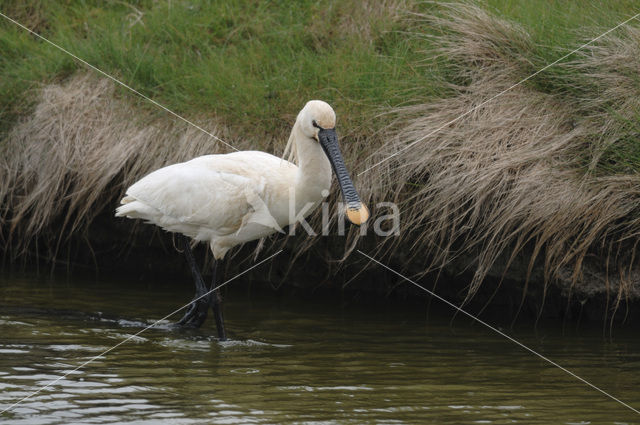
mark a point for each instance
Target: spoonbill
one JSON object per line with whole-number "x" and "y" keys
{"x": 229, "y": 199}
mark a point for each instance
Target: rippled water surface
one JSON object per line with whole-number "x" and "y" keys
{"x": 305, "y": 361}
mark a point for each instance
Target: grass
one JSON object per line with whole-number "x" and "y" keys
{"x": 531, "y": 174}
{"x": 548, "y": 171}
{"x": 248, "y": 62}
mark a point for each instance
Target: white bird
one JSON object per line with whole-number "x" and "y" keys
{"x": 227, "y": 200}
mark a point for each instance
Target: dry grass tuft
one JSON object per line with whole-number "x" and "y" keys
{"x": 508, "y": 179}
{"x": 77, "y": 152}
{"x": 607, "y": 88}
{"x": 360, "y": 17}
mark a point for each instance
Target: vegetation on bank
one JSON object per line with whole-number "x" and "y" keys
{"x": 250, "y": 63}
{"x": 549, "y": 171}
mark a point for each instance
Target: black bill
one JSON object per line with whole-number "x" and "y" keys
{"x": 357, "y": 212}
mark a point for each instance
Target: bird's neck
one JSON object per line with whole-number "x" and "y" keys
{"x": 314, "y": 169}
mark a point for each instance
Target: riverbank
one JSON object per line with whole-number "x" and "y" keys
{"x": 539, "y": 188}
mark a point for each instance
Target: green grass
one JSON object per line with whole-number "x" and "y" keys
{"x": 253, "y": 64}
{"x": 558, "y": 27}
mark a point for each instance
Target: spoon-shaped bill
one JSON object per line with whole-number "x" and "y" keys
{"x": 357, "y": 212}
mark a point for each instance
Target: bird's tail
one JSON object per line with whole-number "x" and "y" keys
{"x": 133, "y": 208}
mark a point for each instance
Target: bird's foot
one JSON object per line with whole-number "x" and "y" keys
{"x": 196, "y": 314}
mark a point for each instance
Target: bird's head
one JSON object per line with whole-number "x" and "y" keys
{"x": 317, "y": 121}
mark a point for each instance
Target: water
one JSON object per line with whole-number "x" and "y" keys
{"x": 291, "y": 361}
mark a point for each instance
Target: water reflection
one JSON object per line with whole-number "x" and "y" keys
{"x": 289, "y": 362}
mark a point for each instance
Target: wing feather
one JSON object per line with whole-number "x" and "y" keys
{"x": 209, "y": 196}
{"x": 195, "y": 196}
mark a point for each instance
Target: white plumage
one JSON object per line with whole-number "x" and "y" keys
{"x": 213, "y": 198}
{"x": 229, "y": 199}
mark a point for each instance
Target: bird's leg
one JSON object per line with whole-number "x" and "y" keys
{"x": 197, "y": 311}
{"x": 216, "y": 305}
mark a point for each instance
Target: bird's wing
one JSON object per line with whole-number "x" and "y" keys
{"x": 197, "y": 195}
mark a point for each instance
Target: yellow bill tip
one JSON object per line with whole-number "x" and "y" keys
{"x": 358, "y": 215}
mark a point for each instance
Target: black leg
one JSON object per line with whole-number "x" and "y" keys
{"x": 216, "y": 305}
{"x": 197, "y": 312}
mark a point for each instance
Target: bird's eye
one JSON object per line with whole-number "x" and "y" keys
{"x": 315, "y": 124}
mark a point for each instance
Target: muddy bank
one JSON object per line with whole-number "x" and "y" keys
{"x": 121, "y": 248}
